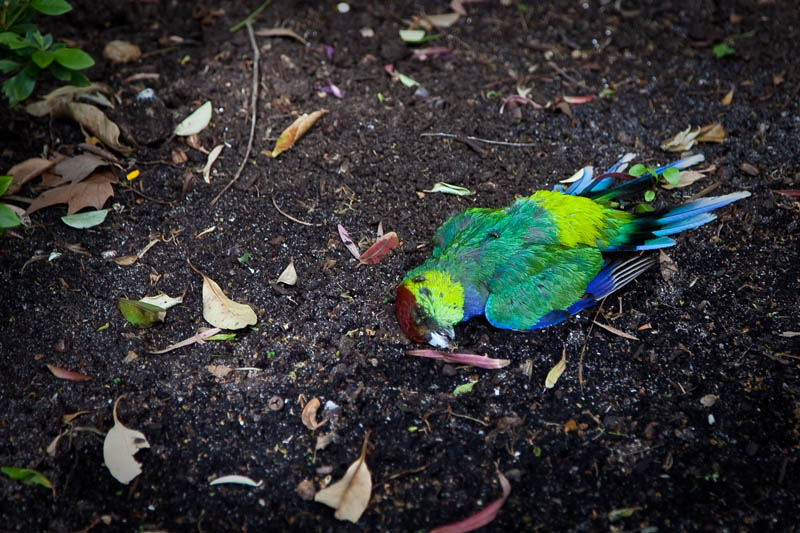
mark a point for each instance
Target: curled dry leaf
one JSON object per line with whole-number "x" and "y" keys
{"x": 555, "y": 372}
{"x": 309, "y": 416}
{"x": 348, "y": 242}
{"x": 289, "y": 275}
{"x": 382, "y": 246}
{"x": 446, "y": 188}
{"x": 684, "y": 140}
{"x": 482, "y": 517}
{"x": 63, "y": 95}
{"x": 667, "y": 266}
{"x": 119, "y": 447}
{"x": 122, "y": 52}
{"x": 196, "y": 121}
{"x": 221, "y": 311}
{"x": 163, "y": 300}
{"x": 293, "y": 133}
{"x": 709, "y": 399}
{"x": 615, "y": 331}
{"x": 69, "y": 375}
{"x": 686, "y": 178}
{"x": 212, "y": 157}
{"x": 728, "y": 98}
{"x": 198, "y": 338}
{"x": 91, "y": 192}
{"x": 480, "y": 361}
{"x": 443, "y": 20}
{"x": 236, "y": 480}
{"x": 350, "y": 495}
{"x": 95, "y": 121}
{"x": 26, "y": 171}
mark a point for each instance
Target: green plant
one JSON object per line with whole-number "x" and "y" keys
{"x": 671, "y": 175}
{"x": 25, "y": 52}
{"x": 8, "y": 218}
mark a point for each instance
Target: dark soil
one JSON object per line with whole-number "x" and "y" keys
{"x": 634, "y": 435}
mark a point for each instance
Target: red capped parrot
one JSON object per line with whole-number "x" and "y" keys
{"x": 543, "y": 258}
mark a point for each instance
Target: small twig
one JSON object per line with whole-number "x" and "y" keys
{"x": 253, "y": 102}
{"x": 143, "y": 195}
{"x": 450, "y": 412}
{"x": 290, "y": 217}
{"x": 487, "y": 141}
{"x": 566, "y": 75}
{"x": 705, "y": 191}
{"x": 250, "y": 18}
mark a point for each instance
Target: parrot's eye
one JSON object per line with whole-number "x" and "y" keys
{"x": 418, "y": 279}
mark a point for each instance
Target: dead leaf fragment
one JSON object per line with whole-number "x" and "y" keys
{"x": 615, "y": 331}
{"x": 219, "y": 371}
{"x": 484, "y": 516}
{"x": 289, "y": 275}
{"x": 685, "y": 178}
{"x": 348, "y": 242}
{"x": 74, "y": 169}
{"x": 382, "y": 246}
{"x": 748, "y": 169}
{"x": 119, "y": 447}
{"x": 309, "y": 415}
{"x": 555, "y": 372}
{"x": 350, "y": 495}
{"x": 681, "y": 141}
{"x": 198, "y": 338}
{"x": 122, "y": 52}
{"x": 667, "y": 266}
{"x": 68, "y": 375}
{"x": 212, "y": 157}
{"x": 91, "y": 192}
{"x": 728, "y": 98}
{"x": 712, "y": 133}
{"x": 293, "y": 133}
{"x": 26, "y": 171}
{"x": 709, "y": 399}
{"x": 237, "y": 480}
{"x": 95, "y": 121}
{"x": 220, "y": 311}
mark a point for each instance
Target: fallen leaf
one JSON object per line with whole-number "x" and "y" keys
{"x": 280, "y": 32}
{"x": 237, "y": 480}
{"x": 681, "y": 141}
{"x": 289, "y": 275}
{"x": 69, "y": 375}
{"x": 198, "y": 338}
{"x": 577, "y": 100}
{"x": 481, "y": 518}
{"x": 91, "y": 192}
{"x": 122, "y": 52}
{"x": 196, "y": 121}
{"x": 348, "y": 242}
{"x": 708, "y": 400}
{"x": 126, "y": 260}
{"x": 667, "y": 266}
{"x": 685, "y": 178}
{"x": 212, "y": 157}
{"x": 443, "y": 20}
{"x": 446, "y": 188}
{"x": 458, "y": 6}
{"x": 87, "y": 219}
{"x": 119, "y": 447}
{"x": 480, "y": 361}
{"x": 787, "y": 192}
{"x": 464, "y": 388}
{"x": 72, "y": 416}
{"x": 748, "y": 169}
{"x": 712, "y": 133}
{"x": 615, "y": 331}
{"x": 141, "y": 314}
{"x": 377, "y": 251}
{"x": 163, "y": 300}
{"x": 26, "y": 171}
{"x": 555, "y": 372}
{"x": 350, "y": 495}
{"x": 26, "y": 476}
{"x": 95, "y": 121}
{"x": 728, "y": 98}
{"x": 62, "y": 95}
{"x": 309, "y": 415}
{"x": 219, "y": 371}
{"x": 412, "y": 36}
{"x": 221, "y": 311}
{"x": 623, "y": 512}
{"x": 293, "y": 133}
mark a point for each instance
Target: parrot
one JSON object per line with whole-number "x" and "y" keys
{"x": 545, "y": 257}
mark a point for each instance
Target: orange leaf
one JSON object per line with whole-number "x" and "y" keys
{"x": 69, "y": 375}
{"x": 381, "y": 247}
{"x": 293, "y": 133}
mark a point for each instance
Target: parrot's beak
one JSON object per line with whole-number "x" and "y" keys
{"x": 442, "y": 337}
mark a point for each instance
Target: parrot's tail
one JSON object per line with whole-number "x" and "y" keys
{"x": 650, "y": 232}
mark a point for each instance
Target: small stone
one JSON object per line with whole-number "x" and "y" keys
{"x": 122, "y": 52}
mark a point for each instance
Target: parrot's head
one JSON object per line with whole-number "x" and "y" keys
{"x": 429, "y": 303}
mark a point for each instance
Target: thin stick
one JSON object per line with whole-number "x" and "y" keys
{"x": 253, "y": 102}
{"x": 586, "y": 342}
{"x": 290, "y": 217}
{"x": 566, "y": 74}
{"x": 487, "y": 141}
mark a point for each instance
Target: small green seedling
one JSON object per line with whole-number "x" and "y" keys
{"x": 8, "y": 218}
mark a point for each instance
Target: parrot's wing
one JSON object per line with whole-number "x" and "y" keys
{"x": 456, "y": 224}
{"x": 536, "y": 287}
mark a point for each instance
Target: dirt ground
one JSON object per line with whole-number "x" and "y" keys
{"x": 622, "y": 442}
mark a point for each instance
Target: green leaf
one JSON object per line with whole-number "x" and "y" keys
{"x": 5, "y": 181}
{"x": 463, "y": 389}
{"x": 637, "y": 170}
{"x": 79, "y": 79}
{"x": 26, "y": 476}
{"x": 88, "y": 219}
{"x": 6, "y": 65}
{"x": 42, "y": 58}
{"x": 649, "y": 196}
{"x": 8, "y": 218}
{"x": 643, "y": 208}
{"x": 141, "y": 314}
{"x": 73, "y": 58}
{"x": 672, "y": 175}
{"x": 222, "y": 337}
{"x": 18, "y": 88}
{"x": 244, "y": 258}
{"x": 407, "y": 80}
{"x": 60, "y": 73}
{"x": 13, "y": 41}
{"x": 51, "y": 7}
{"x": 412, "y": 36}
{"x": 722, "y": 50}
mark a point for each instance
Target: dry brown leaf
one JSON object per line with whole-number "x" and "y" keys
{"x": 615, "y": 331}
{"x": 728, "y": 98}
{"x": 555, "y": 372}
{"x": 26, "y": 171}
{"x": 712, "y": 133}
{"x": 350, "y": 495}
{"x": 220, "y": 311}
{"x": 126, "y": 260}
{"x": 68, "y": 375}
{"x": 293, "y": 133}
{"x": 708, "y": 400}
{"x": 93, "y": 191}
{"x": 63, "y": 95}
{"x": 95, "y": 121}
{"x": 219, "y": 371}
{"x": 377, "y": 251}
{"x": 309, "y": 416}
{"x": 667, "y": 265}
{"x": 280, "y": 32}
{"x": 289, "y": 275}
{"x": 681, "y": 141}
{"x": 72, "y": 416}
{"x": 76, "y": 168}
{"x": 686, "y": 178}
{"x": 119, "y": 447}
